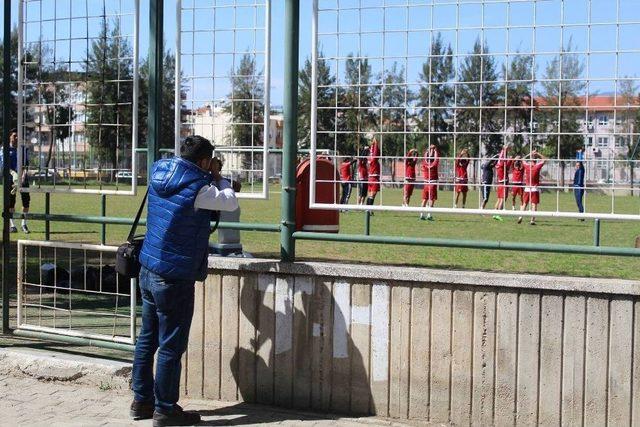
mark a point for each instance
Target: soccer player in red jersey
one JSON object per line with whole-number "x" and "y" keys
{"x": 410, "y": 162}
{"x": 346, "y": 177}
{"x": 502, "y": 176}
{"x": 430, "y": 164}
{"x": 532, "y": 183}
{"x": 374, "y": 171}
{"x": 517, "y": 181}
{"x": 462, "y": 177}
{"x": 363, "y": 175}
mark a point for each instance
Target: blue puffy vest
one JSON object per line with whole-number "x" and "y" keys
{"x": 177, "y": 240}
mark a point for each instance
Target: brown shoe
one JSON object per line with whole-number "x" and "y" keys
{"x": 177, "y": 417}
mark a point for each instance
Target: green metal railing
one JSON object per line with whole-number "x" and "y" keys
{"x": 286, "y": 226}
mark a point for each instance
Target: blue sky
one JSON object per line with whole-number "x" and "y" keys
{"x": 424, "y": 21}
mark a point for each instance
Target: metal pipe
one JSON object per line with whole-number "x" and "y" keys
{"x": 367, "y": 223}
{"x": 103, "y": 213}
{"x": 6, "y": 164}
{"x": 73, "y": 340}
{"x": 470, "y": 244}
{"x": 244, "y": 226}
{"x": 596, "y": 232}
{"x": 290, "y": 143}
{"x": 156, "y": 56}
{"x": 47, "y": 211}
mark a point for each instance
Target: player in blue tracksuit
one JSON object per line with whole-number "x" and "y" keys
{"x": 578, "y": 186}
{"x": 183, "y": 192}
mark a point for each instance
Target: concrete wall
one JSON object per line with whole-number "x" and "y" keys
{"x": 444, "y": 346}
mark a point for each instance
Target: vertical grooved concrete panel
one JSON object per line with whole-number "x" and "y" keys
{"x": 620, "y": 367}
{"x": 506, "y": 358}
{"x": 360, "y": 347}
{"x": 595, "y": 399}
{"x": 478, "y": 350}
{"x": 212, "y": 321}
{"x": 573, "y": 359}
{"x": 528, "y": 356}
{"x": 399, "y": 354}
{"x": 380, "y": 327}
{"x": 462, "y": 339}
{"x": 302, "y": 295}
{"x": 195, "y": 354}
{"x": 229, "y": 337}
{"x": 441, "y": 301}
{"x": 484, "y": 318}
{"x": 265, "y": 338}
{"x": 420, "y": 356}
{"x": 550, "y": 387}
{"x": 246, "y": 355}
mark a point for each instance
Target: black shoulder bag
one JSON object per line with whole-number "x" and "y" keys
{"x": 128, "y": 254}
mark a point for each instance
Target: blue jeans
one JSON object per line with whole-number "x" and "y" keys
{"x": 579, "y": 193}
{"x": 167, "y": 310}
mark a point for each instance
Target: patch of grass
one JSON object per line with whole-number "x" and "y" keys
{"x": 563, "y": 231}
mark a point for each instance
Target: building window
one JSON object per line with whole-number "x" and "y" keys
{"x": 603, "y": 142}
{"x": 621, "y": 141}
{"x": 603, "y": 120}
{"x": 590, "y": 141}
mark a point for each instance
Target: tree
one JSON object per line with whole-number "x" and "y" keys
{"x": 478, "y": 96}
{"x": 245, "y": 105}
{"x": 359, "y": 105}
{"x": 437, "y": 92}
{"x": 630, "y": 118}
{"x": 566, "y": 95}
{"x": 109, "y": 89}
{"x": 167, "y": 123}
{"x": 325, "y": 97}
{"x": 520, "y": 74}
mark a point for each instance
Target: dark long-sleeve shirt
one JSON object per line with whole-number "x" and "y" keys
{"x": 578, "y": 178}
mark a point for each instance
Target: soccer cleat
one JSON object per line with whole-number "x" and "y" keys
{"x": 13, "y": 229}
{"x": 25, "y": 229}
{"x": 532, "y": 222}
{"x": 519, "y": 220}
{"x": 430, "y": 218}
{"x": 422, "y": 218}
{"x": 498, "y": 218}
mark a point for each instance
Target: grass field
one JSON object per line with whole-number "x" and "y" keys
{"x": 564, "y": 231}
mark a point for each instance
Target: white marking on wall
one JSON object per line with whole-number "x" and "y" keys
{"x": 317, "y": 329}
{"x": 341, "y": 320}
{"x": 304, "y": 284}
{"x": 380, "y": 331}
{"x": 284, "y": 314}
{"x": 266, "y": 282}
{"x": 361, "y": 315}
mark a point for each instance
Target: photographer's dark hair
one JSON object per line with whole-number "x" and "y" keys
{"x": 195, "y": 148}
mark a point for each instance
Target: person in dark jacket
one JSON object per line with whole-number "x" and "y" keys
{"x": 578, "y": 186}
{"x": 487, "y": 180}
{"x": 183, "y": 192}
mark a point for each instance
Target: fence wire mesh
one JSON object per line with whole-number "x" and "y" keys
{"x": 77, "y": 95}
{"x": 224, "y": 62}
{"x": 475, "y": 88}
{"x": 73, "y": 289}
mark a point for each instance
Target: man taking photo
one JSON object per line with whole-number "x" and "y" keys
{"x": 183, "y": 192}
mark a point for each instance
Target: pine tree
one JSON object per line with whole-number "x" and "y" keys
{"x": 110, "y": 95}
{"x": 167, "y": 124}
{"x": 437, "y": 91}
{"x": 360, "y": 105}
{"x": 520, "y": 74}
{"x": 480, "y": 90}
{"x": 566, "y": 96}
{"x": 325, "y": 98}
{"x": 394, "y": 110}
{"x": 245, "y": 104}
{"x": 630, "y": 117}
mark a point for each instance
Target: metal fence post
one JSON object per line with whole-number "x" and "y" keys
{"x": 6, "y": 125}
{"x": 47, "y": 211}
{"x": 156, "y": 56}
{"x": 290, "y": 146}
{"x": 103, "y": 213}
{"x": 367, "y": 223}
{"x": 596, "y": 233}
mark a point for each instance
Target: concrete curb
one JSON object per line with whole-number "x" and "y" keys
{"x": 53, "y": 366}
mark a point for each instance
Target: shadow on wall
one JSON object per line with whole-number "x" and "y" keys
{"x": 303, "y": 353}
